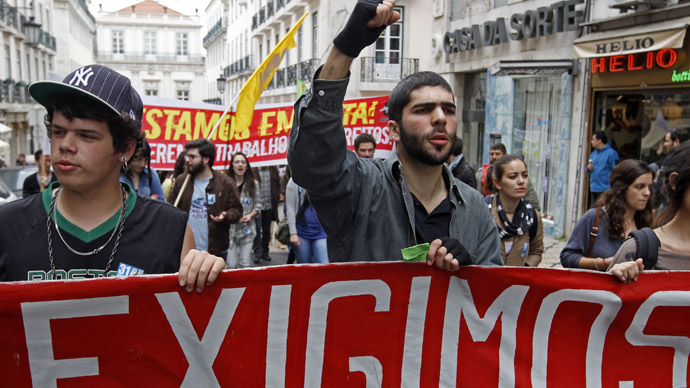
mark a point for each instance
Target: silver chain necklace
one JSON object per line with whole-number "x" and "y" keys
{"x": 118, "y": 228}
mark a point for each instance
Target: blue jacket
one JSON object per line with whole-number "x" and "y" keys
{"x": 144, "y": 188}
{"x": 604, "y": 160}
{"x": 365, "y": 205}
{"x": 578, "y": 244}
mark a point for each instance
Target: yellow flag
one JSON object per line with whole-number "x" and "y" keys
{"x": 259, "y": 80}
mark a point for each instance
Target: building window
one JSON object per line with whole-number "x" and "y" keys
{"x": 315, "y": 35}
{"x": 183, "y": 95}
{"x": 181, "y": 43}
{"x": 118, "y": 42}
{"x": 388, "y": 46}
{"x": 8, "y": 58}
{"x": 152, "y": 92}
{"x": 150, "y": 42}
{"x": 28, "y": 68}
{"x": 287, "y": 52}
{"x": 19, "y": 65}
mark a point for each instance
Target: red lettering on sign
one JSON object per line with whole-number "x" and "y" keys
{"x": 616, "y": 64}
{"x": 664, "y": 59}
{"x": 631, "y": 63}
{"x": 598, "y": 65}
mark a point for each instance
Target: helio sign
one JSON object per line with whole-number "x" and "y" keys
{"x": 665, "y": 58}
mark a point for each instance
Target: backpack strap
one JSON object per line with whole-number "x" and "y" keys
{"x": 593, "y": 233}
{"x": 648, "y": 245}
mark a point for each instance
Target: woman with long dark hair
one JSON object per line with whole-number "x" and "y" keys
{"x": 671, "y": 226}
{"x": 243, "y": 232}
{"x": 141, "y": 177}
{"x": 625, "y": 207}
{"x": 519, "y": 224}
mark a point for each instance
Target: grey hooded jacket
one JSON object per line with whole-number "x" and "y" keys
{"x": 364, "y": 205}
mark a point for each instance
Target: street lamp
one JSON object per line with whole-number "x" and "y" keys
{"x": 221, "y": 87}
{"x": 32, "y": 31}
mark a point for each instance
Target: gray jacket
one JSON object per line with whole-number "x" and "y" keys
{"x": 364, "y": 205}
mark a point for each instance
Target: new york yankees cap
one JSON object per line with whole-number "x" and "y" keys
{"x": 98, "y": 83}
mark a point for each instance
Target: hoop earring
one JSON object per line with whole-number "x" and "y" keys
{"x": 124, "y": 164}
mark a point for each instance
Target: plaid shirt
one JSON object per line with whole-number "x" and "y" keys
{"x": 265, "y": 188}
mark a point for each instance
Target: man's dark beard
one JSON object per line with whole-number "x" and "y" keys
{"x": 414, "y": 148}
{"x": 196, "y": 169}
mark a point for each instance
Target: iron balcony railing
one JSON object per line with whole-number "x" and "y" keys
{"x": 269, "y": 9}
{"x": 85, "y": 7}
{"x": 255, "y": 22}
{"x": 307, "y": 69}
{"x": 280, "y": 78}
{"x": 279, "y": 4}
{"x": 241, "y": 66}
{"x": 262, "y": 15}
{"x": 381, "y": 72}
{"x": 220, "y": 24}
{"x": 15, "y": 92}
{"x": 289, "y": 75}
{"x": 12, "y": 18}
{"x": 46, "y": 39}
{"x": 215, "y": 101}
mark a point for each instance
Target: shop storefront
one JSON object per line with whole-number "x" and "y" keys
{"x": 517, "y": 75}
{"x": 641, "y": 92}
{"x": 532, "y": 114}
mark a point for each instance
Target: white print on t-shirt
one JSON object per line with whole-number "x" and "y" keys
{"x": 198, "y": 209}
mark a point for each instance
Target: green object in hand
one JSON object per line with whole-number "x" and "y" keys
{"x": 415, "y": 253}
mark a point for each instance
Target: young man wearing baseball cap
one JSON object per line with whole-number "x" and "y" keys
{"x": 88, "y": 224}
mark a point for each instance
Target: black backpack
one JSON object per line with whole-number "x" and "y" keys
{"x": 647, "y": 246}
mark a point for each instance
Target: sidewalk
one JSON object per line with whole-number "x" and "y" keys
{"x": 552, "y": 250}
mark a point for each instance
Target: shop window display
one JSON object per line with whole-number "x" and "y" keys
{"x": 636, "y": 123}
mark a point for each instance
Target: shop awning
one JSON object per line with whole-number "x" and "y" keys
{"x": 540, "y": 67}
{"x": 643, "y": 38}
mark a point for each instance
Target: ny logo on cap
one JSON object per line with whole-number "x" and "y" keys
{"x": 81, "y": 76}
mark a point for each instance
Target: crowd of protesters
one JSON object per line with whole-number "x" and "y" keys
{"x": 340, "y": 205}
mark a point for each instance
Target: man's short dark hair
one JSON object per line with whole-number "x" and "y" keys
{"x": 601, "y": 136}
{"x": 364, "y": 138}
{"x": 205, "y": 147}
{"x": 122, "y": 128}
{"x": 499, "y": 146}
{"x": 37, "y": 155}
{"x": 400, "y": 96}
{"x": 680, "y": 134}
{"x": 456, "y": 148}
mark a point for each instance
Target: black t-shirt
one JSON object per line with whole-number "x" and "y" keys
{"x": 430, "y": 226}
{"x": 151, "y": 241}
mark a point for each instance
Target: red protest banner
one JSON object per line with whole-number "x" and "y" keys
{"x": 170, "y": 124}
{"x": 384, "y": 324}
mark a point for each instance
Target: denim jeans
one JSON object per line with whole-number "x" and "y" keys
{"x": 239, "y": 252}
{"x": 309, "y": 247}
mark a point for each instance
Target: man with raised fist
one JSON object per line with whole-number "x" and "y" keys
{"x": 377, "y": 210}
